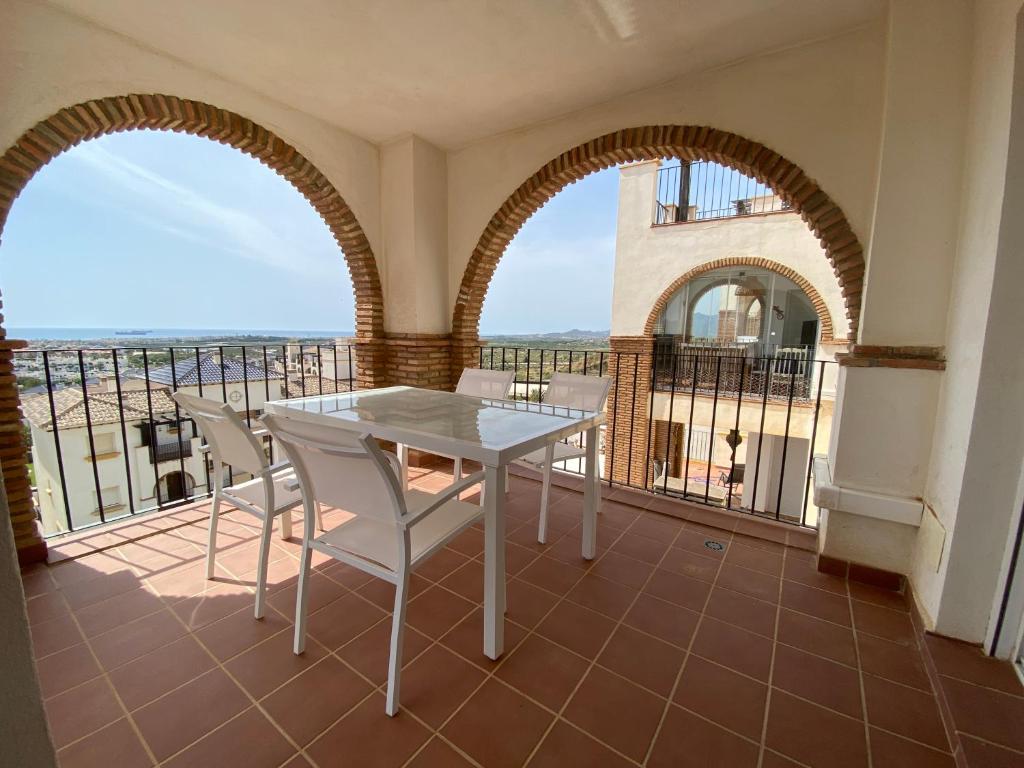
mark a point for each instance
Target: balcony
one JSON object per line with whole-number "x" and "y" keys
{"x": 664, "y": 648}
{"x": 170, "y": 451}
{"x": 703, "y": 191}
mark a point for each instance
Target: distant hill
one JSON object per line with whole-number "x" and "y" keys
{"x": 575, "y": 333}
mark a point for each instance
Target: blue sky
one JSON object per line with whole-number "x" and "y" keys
{"x": 137, "y": 229}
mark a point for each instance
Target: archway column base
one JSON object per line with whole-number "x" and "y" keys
{"x": 629, "y": 403}
{"x": 418, "y": 360}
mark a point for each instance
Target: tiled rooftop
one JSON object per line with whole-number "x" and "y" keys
{"x": 661, "y": 652}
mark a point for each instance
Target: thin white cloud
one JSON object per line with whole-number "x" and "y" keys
{"x": 192, "y": 215}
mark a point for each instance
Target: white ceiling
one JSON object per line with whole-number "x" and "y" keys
{"x": 453, "y": 71}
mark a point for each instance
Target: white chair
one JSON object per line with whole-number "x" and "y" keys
{"x": 480, "y": 382}
{"x": 569, "y": 390}
{"x": 232, "y": 443}
{"x": 389, "y": 532}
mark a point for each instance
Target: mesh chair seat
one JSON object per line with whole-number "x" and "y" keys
{"x": 251, "y": 491}
{"x": 373, "y": 539}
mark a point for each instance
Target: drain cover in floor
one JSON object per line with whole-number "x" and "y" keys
{"x": 715, "y": 545}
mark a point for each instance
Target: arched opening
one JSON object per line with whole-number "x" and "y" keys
{"x": 175, "y": 486}
{"x": 793, "y": 187}
{"x": 156, "y": 112}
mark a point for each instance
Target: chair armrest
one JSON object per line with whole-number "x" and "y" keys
{"x": 291, "y": 484}
{"x": 204, "y": 448}
{"x": 260, "y": 432}
{"x": 442, "y": 498}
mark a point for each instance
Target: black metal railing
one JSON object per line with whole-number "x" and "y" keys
{"x": 701, "y": 191}
{"x": 111, "y": 406}
{"x": 731, "y": 431}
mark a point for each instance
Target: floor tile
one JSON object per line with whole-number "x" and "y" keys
{"x": 554, "y": 576}
{"x": 657, "y": 527}
{"x": 147, "y": 677}
{"x": 601, "y": 595}
{"x": 884, "y": 622}
{"x": 272, "y": 663}
{"x": 643, "y": 659}
{"x": 369, "y": 653}
{"x": 819, "y": 680}
{"x": 981, "y": 754}
{"x": 81, "y": 710}
{"x": 686, "y": 741}
{"x": 248, "y": 741}
{"x": 893, "y": 661}
{"x": 906, "y": 711}
{"x": 66, "y": 669}
{"x": 565, "y": 746}
{"x": 101, "y": 617}
{"x": 472, "y": 728}
{"x": 641, "y": 548}
{"x": 240, "y": 631}
{"x": 888, "y": 751}
{"x": 692, "y": 564}
{"x": 968, "y": 662}
{"x": 178, "y": 719}
{"x": 986, "y": 713}
{"x": 309, "y": 703}
{"x": 815, "y": 736}
{"x": 817, "y": 636}
{"x": 755, "y": 559}
{"x": 622, "y": 570}
{"x": 577, "y": 628}
{"x": 438, "y": 754}
{"x": 806, "y": 573}
{"x": 664, "y": 620}
{"x": 56, "y": 635}
{"x": 617, "y": 712}
{"x": 527, "y": 604}
{"x": 543, "y": 671}
{"x": 128, "y": 642}
{"x": 681, "y": 590}
{"x": 734, "y": 648}
{"x": 367, "y": 736}
{"x": 742, "y": 610}
{"x": 816, "y": 602}
{"x": 213, "y": 604}
{"x": 436, "y": 683}
{"x": 322, "y": 592}
{"x": 728, "y": 698}
{"x": 467, "y": 581}
{"x": 886, "y": 598}
{"x": 435, "y": 611}
{"x": 342, "y": 620}
{"x": 115, "y": 745}
{"x": 755, "y": 584}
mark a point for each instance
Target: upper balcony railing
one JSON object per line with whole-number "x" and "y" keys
{"x": 702, "y": 191}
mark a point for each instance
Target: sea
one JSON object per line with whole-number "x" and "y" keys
{"x": 83, "y": 334}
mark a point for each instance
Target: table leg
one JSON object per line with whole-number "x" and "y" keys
{"x": 494, "y": 562}
{"x": 591, "y": 493}
{"x": 403, "y": 462}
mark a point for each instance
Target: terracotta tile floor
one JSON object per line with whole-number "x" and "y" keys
{"x": 662, "y": 652}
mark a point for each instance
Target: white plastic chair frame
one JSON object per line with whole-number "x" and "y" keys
{"x": 568, "y": 390}
{"x": 231, "y": 443}
{"x": 480, "y": 382}
{"x": 302, "y": 442}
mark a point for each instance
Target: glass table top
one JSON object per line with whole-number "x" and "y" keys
{"x": 491, "y": 424}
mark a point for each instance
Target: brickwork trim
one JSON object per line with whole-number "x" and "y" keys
{"x": 689, "y": 142}
{"x": 820, "y": 307}
{"x": 873, "y": 356}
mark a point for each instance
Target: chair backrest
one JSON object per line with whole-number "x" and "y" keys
{"x": 230, "y": 441}
{"x": 341, "y": 469}
{"x": 573, "y": 390}
{"x": 481, "y": 382}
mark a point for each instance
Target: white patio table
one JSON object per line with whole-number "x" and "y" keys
{"x": 492, "y": 432}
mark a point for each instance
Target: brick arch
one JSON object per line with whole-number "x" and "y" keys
{"x": 99, "y": 117}
{"x": 821, "y": 214}
{"x": 820, "y": 307}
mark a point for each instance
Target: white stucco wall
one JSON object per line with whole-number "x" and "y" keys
{"x": 649, "y": 259}
{"x": 819, "y": 105}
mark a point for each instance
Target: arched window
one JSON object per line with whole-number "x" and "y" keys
{"x": 741, "y": 306}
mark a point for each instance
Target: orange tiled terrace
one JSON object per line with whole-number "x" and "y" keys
{"x": 695, "y": 639}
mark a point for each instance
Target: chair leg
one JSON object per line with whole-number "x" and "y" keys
{"x": 301, "y": 599}
{"x": 508, "y": 488}
{"x": 286, "y": 525}
{"x": 320, "y": 517}
{"x": 458, "y": 468}
{"x": 261, "y": 566}
{"x": 397, "y": 633}
{"x": 211, "y": 545}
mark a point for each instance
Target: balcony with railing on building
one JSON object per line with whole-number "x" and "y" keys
{"x": 703, "y": 191}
